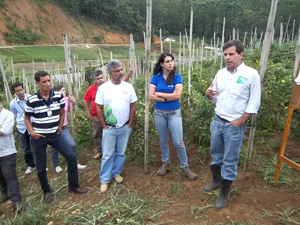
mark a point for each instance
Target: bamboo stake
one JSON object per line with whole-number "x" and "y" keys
{"x": 131, "y": 55}
{"x": 293, "y": 31}
{"x": 66, "y": 49}
{"x": 280, "y": 35}
{"x": 297, "y": 54}
{"x": 5, "y": 83}
{"x": 233, "y": 33}
{"x": 33, "y": 72}
{"x": 147, "y": 80}
{"x": 179, "y": 56}
{"x": 190, "y": 52}
{"x": 161, "y": 42}
{"x": 12, "y": 69}
{"x": 183, "y": 61}
{"x": 286, "y": 30}
{"x": 223, "y": 37}
{"x": 201, "y": 57}
{"x": 263, "y": 69}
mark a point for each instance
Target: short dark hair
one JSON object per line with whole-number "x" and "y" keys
{"x": 0, "y": 98}
{"x": 97, "y": 73}
{"x": 237, "y": 43}
{"x": 39, "y": 74}
{"x": 16, "y": 84}
{"x": 58, "y": 87}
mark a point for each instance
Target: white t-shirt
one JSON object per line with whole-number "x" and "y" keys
{"x": 116, "y": 100}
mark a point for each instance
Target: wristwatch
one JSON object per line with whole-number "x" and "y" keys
{"x": 166, "y": 100}
{"x": 59, "y": 130}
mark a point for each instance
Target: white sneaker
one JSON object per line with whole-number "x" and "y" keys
{"x": 58, "y": 169}
{"x": 81, "y": 167}
{"x": 29, "y": 170}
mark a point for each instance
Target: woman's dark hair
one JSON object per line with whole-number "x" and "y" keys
{"x": 157, "y": 68}
{"x": 58, "y": 87}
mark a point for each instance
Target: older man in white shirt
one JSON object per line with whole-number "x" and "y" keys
{"x": 236, "y": 89}
{"x": 9, "y": 184}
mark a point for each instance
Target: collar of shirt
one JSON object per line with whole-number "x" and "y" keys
{"x": 25, "y": 98}
{"x": 240, "y": 67}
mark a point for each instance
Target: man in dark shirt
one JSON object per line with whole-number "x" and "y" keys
{"x": 44, "y": 117}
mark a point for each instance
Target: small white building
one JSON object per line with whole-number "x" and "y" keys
{"x": 169, "y": 39}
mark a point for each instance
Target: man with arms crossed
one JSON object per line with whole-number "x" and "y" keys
{"x": 17, "y": 106}
{"x": 116, "y": 111}
{"x": 46, "y": 108}
{"x": 236, "y": 89}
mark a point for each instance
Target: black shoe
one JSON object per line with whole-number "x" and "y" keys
{"x": 222, "y": 200}
{"x": 4, "y": 198}
{"x": 78, "y": 190}
{"x": 17, "y": 207}
{"x": 48, "y": 197}
{"x": 217, "y": 179}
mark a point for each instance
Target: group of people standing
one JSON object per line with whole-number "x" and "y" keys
{"x": 111, "y": 107}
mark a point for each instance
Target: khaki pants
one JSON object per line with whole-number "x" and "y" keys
{"x": 97, "y": 134}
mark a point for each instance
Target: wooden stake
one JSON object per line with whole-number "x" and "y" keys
{"x": 147, "y": 80}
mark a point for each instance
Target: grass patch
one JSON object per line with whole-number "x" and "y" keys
{"x": 56, "y": 53}
{"x": 176, "y": 187}
{"x": 266, "y": 167}
{"x": 122, "y": 207}
{"x": 288, "y": 215}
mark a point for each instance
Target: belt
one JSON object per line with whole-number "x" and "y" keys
{"x": 222, "y": 118}
{"x": 111, "y": 125}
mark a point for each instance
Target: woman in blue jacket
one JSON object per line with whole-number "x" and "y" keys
{"x": 165, "y": 90}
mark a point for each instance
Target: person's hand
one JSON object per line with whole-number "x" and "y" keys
{"x": 237, "y": 123}
{"x": 90, "y": 117}
{"x": 72, "y": 99}
{"x": 210, "y": 93}
{"x": 132, "y": 71}
{"x": 36, "y": 136}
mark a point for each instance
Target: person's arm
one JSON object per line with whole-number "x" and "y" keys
{"x": 152, "y": 95}
{"x": 13, "y": 109}
{"x": 128, "y": 75}
{"x": 88, "y": 109}
{"x": 7, "y": 126}
{"x": 171, "y": 96}
{"x": 100, "y": 115}
{"x": 73, "y": 100}
{"x": 61, "y": 119}
{"x": 240, "y": 121}
{"x": 30, "y": 128}
{"x": 131, "y": 114}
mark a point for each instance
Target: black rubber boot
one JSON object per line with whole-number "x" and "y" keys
{"x": 217, "y": 179}
{"x": 224, "y": 194}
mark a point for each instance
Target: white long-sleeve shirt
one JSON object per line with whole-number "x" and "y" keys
{"x": 239, "y": 92}
{"x": 7, "y": 144}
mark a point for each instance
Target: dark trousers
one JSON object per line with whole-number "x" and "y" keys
{"x": 61, "y": 145}
{"x": 25, "y": 142}
{"x": 9, "y": 184}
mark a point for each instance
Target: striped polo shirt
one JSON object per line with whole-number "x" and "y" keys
{"x": 45, "y": 115}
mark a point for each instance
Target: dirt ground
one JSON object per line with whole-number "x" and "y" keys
{"x": 251, "y": 197}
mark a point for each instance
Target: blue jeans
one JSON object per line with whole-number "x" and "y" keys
{"x": 25, "y": 142}
{"x": 114, "y": 143}
{"x": 62, "y": 146}
{"x": 9, "y": 184}
{"x": 225, "y": 146}
{"x": 69, "y": 139}
{"x": 170, "y": 119}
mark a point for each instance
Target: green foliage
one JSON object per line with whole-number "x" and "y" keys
{"x": 18, "y": 36}
{"x": 98, "y": 39}
{"x": 82, "y": 126}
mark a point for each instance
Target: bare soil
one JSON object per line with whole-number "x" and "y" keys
{"x": 251, "y": 195}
